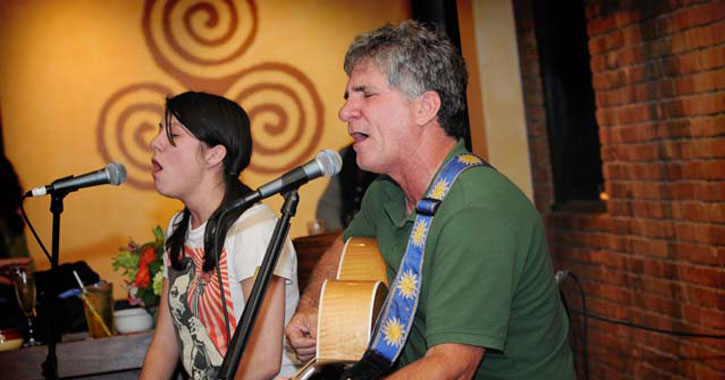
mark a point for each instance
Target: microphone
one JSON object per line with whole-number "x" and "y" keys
{"x": 327, "y": 163}
{"x": 114, "y": 174}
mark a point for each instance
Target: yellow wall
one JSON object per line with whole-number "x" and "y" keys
{"x": 73, "y": 69}
{"x": 495, "y": 96}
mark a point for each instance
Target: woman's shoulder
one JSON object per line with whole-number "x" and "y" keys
{"x": 258, "y": 215}
{"x": 258, "y": 210}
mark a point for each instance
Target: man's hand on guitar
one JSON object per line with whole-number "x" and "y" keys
{"x": 302, "y": 334}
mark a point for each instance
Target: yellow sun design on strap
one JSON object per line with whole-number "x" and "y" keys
{"x": 439, "y": 189}
{"x": 469, "y": 159}
{"x": 419, "y": 232}
{"x": 393, "y": 332}
{"x": 408, "y": 283}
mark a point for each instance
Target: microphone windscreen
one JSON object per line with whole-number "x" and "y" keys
{"x": 330, "y": 162}
{"x": 116, "y": 173}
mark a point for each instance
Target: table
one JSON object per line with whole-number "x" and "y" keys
{"x": 118, "y": 357}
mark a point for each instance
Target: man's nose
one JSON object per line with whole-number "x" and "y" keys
{"x": 347, "y": 111}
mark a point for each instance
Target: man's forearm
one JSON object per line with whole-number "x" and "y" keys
{"x": 445, "y": 361}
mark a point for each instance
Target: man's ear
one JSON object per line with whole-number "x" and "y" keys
{"x": 215, "y": 155}
{"x": 429, "y": 103}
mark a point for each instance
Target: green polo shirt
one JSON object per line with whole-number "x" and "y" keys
{"x": 488, "y": 280}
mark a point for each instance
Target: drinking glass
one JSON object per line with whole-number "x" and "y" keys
{"x": 25, "y": 291}
{"x": 100, "y": 319}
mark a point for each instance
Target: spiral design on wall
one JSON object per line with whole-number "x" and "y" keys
{"x": 128, "y": 121}
{"x": 199, "y": 38}
{"x": 286, "y": 115}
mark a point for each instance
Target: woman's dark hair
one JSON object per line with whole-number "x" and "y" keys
{"x": 214, "y": 120}
{"x": 11, "y": 195}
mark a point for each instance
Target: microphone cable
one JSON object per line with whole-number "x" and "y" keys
{"x": 586, "y": 313}
{"x": 213, "y": 223}
{"x": 564, "y": 274}
{"x": 35, "y": 234}
{"x": 560, "y": 277}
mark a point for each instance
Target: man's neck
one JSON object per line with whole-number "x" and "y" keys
{"x": 415, "y": 173}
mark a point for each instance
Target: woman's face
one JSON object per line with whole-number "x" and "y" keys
{"x": 178, "y": 169}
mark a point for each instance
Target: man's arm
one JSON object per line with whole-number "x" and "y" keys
{"x": 302, "y": 329}
{"x": 444, "y": 361}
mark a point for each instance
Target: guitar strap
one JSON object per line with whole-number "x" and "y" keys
{"x": 396, "y": 318}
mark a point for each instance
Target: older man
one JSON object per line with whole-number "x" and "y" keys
{"x": 484, "y": 299}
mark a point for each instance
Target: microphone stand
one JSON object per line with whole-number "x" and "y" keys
{"x": 50, "y": 366}
{"x": 241, "y": 336}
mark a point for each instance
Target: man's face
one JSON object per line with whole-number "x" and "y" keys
{"x": 379, "y": 118}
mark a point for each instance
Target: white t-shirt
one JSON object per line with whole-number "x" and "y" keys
{"x": 194, "y": 297}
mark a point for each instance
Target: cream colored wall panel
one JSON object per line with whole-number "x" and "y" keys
{"x": 501, "y": 93}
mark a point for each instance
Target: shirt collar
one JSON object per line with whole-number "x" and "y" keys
{"x": 394, "y": 203}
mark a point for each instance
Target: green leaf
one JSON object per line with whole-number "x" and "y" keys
{"x": 125, "y": 261}
{"x": 159, "y": 233}
{"x": 158, "y": 282}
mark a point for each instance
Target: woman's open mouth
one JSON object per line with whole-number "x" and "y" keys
{"x": 156, "y": 166}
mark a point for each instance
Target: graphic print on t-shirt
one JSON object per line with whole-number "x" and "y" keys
{"x": 196, "y": 307}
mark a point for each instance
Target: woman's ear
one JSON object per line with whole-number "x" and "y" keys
{"x": 429, "y": 104}
{"x": 215, "y": 155}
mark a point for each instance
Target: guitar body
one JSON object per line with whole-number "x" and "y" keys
{"x": 348, "y": 308}
{"x": 361, "y": 261}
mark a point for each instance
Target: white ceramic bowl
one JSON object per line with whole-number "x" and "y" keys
{"x": 132, "y": 320}
{"x": 10, "y": 339}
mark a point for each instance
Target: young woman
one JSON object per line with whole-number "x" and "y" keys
{"x": 203, "y": 145}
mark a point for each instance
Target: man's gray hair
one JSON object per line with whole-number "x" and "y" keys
{"x": 417, "y": 58}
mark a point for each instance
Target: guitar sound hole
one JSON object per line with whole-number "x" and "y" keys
{"x": 330, "y": 372}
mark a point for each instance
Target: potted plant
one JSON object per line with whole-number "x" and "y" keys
{"x": 142, "y": 266}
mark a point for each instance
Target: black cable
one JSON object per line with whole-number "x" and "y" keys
{"x": 585, "y": 344}
{"x": 630, "y": 324}
{"x": 647, "y": 328}
{"x": 30, "y": 225}
{"x": 223, "y": 298}
{"x": 572, "y": 334}
{"x": 561, "y": 276}
{"x": 214, "y": 224}
{"x": 585, "y": 324}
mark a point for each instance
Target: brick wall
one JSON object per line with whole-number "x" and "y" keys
{"x": 656, "y": 257}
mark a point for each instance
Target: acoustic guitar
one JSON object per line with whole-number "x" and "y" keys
{"x": 349, "y": 305}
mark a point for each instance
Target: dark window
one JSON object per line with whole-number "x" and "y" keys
{"x": 443, "y": 14}
{"x": 569, "y": 100}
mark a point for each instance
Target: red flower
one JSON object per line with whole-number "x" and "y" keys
{"x": 143, "y": 277}
{"x": 147, "y": 256}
